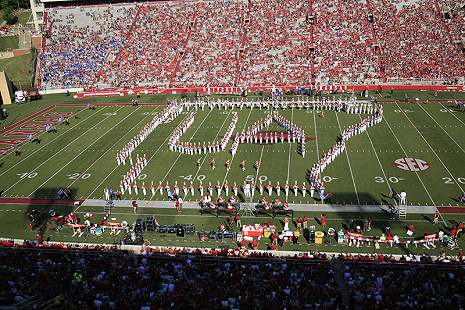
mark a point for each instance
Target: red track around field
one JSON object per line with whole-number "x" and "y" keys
{"x": 39, "y": 201}
{"x": 452, "y": 210}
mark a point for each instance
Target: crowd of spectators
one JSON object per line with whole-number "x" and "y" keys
{"x": 250, "y": 43}
{"x": 75, "y": 276}
{"x": 213, "y": 45}
{"x": 344, "y": 43}
{"x": 118, "y": 280}
{"x": 456, "y": 21}
{"x": 80, "y": 41}
{"x": 414, "y": 42}
{"x": 401, "y": 286}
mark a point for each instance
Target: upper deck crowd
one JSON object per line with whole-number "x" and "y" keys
{"x": 252, "y": 43}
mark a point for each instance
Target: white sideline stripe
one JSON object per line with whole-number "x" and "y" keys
{"x": 46, "y": 144}
{"x": 348, "y": 161}
{"x": 107, "y": 152}
{"x": 57, "y": 152}
{"x": 442, "y": 129}
{"x": 445, "y": 167}
{"x": 452, "y": 114}
{"x": 182, "y": 153}
{"x": 418, "y": 176}
{"x": 75, "y": 156}
{"x": 290, "y": 144}
{"x": 379, "y": 162}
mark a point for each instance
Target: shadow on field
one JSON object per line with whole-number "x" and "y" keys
{"x": 52, "y": 193}
{"x": 41, "y": 215}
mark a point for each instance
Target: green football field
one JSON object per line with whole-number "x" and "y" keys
{"x": 418, "y": 148}
{"x": 425, "y": 140}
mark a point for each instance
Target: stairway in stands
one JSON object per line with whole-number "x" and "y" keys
{"x": 311, "y": 55}
{"x": 375, "y": 42}
{"x": 173, "y": 67}
{"x": 242, "y": 46}
{"x": 118, "y": 56}
{"x": 341, "y": 282}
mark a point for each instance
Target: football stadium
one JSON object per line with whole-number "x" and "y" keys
{"x": 235, "y": 154}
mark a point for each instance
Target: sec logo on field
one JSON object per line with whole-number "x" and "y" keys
{"x": 411, "y": 164}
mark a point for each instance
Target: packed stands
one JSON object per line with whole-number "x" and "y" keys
{"x": 414, "y": 42}
{"x": 252, "y": 43}
{"x": 81, "y": 39}
{"x": 85, "y": 276}
{"x": 85, "y": 279}
{"x": 344, "y": 43}
{"x": 402, "y": 286}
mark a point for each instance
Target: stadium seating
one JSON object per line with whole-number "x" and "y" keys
{"x": 265, "y": 42}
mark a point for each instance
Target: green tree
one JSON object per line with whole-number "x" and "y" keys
{"x": 8, "y": 15}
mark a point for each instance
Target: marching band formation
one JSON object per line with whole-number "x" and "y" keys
{"x": 194, "y": 148}
{"x": 251, "y": 135}
{"x": 318, "y": 168}
{"x": 170, "y": 112}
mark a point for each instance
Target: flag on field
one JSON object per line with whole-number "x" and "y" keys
{"x": 111, "y": 192}
{"x": 406, "y": 97}
{"x": 60, "y": 119}
{"x": 322, "y": 196}
{"x": 47, "y": 128}
{"x": 30, "y": 137}
{"x": 457, "y": 103}
{"x": 463, "y": 103}
{"x": 168, "y": 190}
{"x": 60, "y": 192}
{"x": 393, "y": 193}
{"x": 463, "y": 198}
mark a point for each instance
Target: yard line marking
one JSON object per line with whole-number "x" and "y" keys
{"x": 83, "y": 150}
{"x": 445, "y": 167}
{"x": 452, "y": 114}
{"x": 56, "y": 153}
{"x": 163, "y": 144}
{"x": 232, "y": 159}
{"x": 107, "y": 152}
{"x": 316, "y": 137}
{"x": 379, "y": 162}
{"x": 258, "y": 169}
{"x": 182, "y": 153}
{"x": 39, "y": 149}
{"x": 290, "y": 144}
{"x": 348, "y": 161}
{"x": 403, "y": 150}
{"x": 442, "y": 129}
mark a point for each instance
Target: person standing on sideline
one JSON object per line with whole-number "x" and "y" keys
{"x": 323, "y": 220}
{"x": 299, "y": 223}
{"x": 286, "y": 224}
{"x": 304, "y": 222}
{"x": 393, "y": 212}
{"x": 403, "y": 197}
{"x": 459, "y": 228}
{"x": 179, "y": 204}
{"x": 436, "y": 218}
